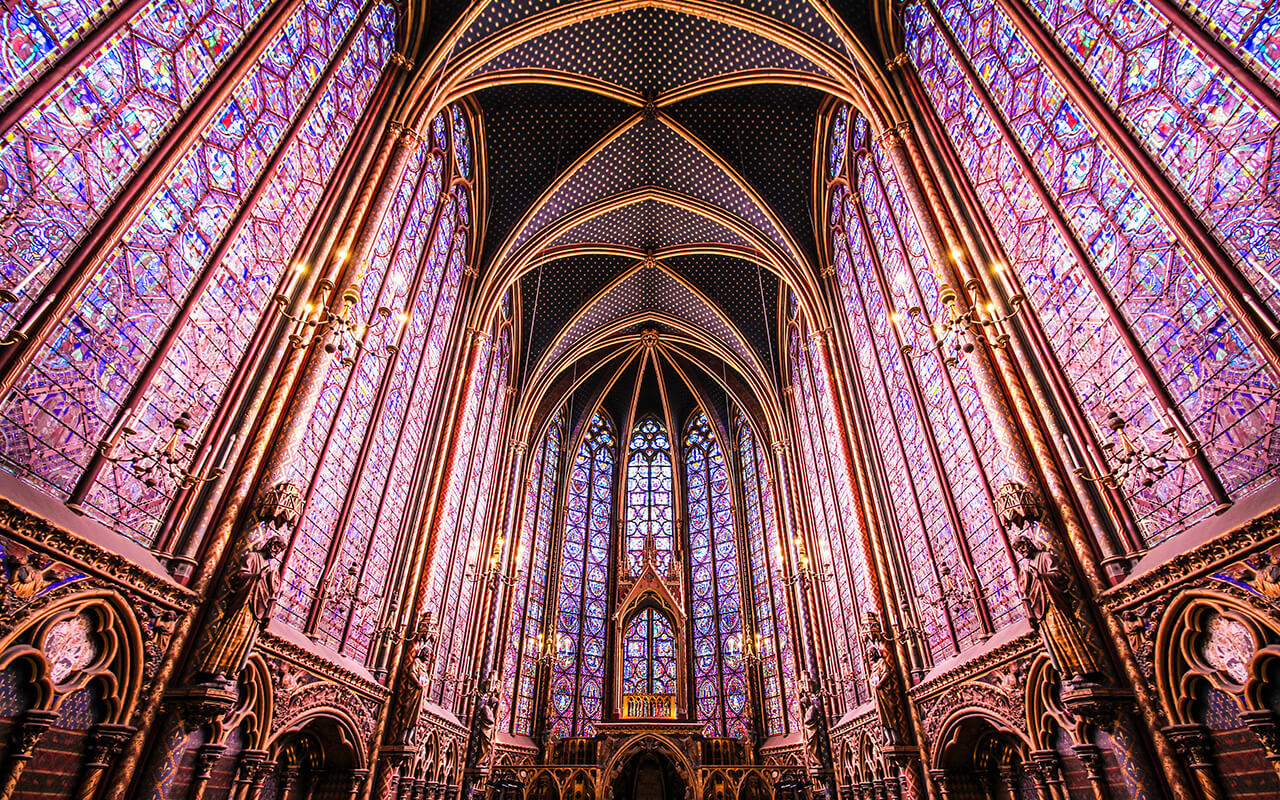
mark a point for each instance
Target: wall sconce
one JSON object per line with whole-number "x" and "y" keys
{"x": 549, "y": 649}
{"x": 161, "y": 462}
{"x": 350, "y": 586}
{"x": 754, "y": 652}
{"x": 1132, "y": 455}
{"x": 836, "y": 684}
{"x": 338, "y": 330}
{"x": 953, "y": 592}
{"x": 492, "y": 572}
{"x": 962, "y": 329}
{"x": 21, "y": 331}
{"x": 806, "y": 574}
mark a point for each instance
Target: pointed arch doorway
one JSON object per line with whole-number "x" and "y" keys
{"x": 649, "y": 775}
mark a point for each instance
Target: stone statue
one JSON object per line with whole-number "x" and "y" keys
{"x": 250, "y": 596}
{"x": 810, "y": 719}
{"x": 882, "y": 687}
{"x": 413, "y": 693}
{"x": 486, "y": 722}
{"x": 1046, "y": 594}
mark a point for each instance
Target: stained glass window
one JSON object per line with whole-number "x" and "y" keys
{"x": 772, "y": 639}
{"x": 464, "y": 524}
{"x": 827, "y": 484}
{"x": 938, "y": 431}
{"x": 649, "y": 499}
{"x": 577, "y": 674}
{"x": 1014, "y": 112}
{"x": 217, "y": 234}
{"x": 72, "y": 152}
{"x": 649, "y": 654}
{"x": 719, "y": 674}
{"x": 526, "y": 640}
{"x": 358, "y": 485}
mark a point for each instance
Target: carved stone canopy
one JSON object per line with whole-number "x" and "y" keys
{"x": 1018, "y": 506}
{"x": 279, "y": 506}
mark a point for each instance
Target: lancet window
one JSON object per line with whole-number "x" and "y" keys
{"x": 577, "y": 671}
{"x": 527, "y": 640}
{"x": 357, "y": 487}
{"x": 935, "y": 454}
{"x": 148, "y": 335}
{"x": 467, "y": 514}
{"x": 650, "y": 512}
{"x": 771, "y": 641}
{"x": 835, "y": 556}
{"x": 719, "y": 674}
{"x": 1129, "y": 307}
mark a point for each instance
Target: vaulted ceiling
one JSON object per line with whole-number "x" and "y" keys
{"x": 648, "y": 165}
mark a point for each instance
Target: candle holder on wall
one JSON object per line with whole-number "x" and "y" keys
{"x": 958, "y": 335}
{"x": 338, "y": 329}
{"x": 1133, "y": 456}
{"x": 161, "y": 463}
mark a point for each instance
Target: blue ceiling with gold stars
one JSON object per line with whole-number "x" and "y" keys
{"x": 643, "y": 159}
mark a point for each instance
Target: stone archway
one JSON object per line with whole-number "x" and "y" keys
{"x": 979, "y": 760}
{"x": 648, "y": 774}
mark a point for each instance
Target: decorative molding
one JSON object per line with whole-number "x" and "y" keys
{"x": 1230, "y": 546}
{"x": 320, "y": 666}
{"x": 324, "y": 694}
{"x": 1022, "y": 645}
{"x": 68, "y": 547}
{"x": 1006, "y": 706}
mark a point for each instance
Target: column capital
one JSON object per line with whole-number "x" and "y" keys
{"x": 1091, "y": 756}
{"x": 105, "y": 742}
{"x": 206, "y": 759}
{"x": 28, "y": 732}
{"x": 1191, "y": 741}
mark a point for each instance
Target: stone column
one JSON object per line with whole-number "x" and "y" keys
{"x": 1091, "y": 756}
{"x": 206, "y": 759}
{"x": 1009, "y": 781}
{"x": 358, "y": 777}
{"x": 249, "y": 768}
{"x": 942, "y": 779}
{"x": 26, "y": 738}
{"x": 1044, "y": 768}
{"x": 105, "y": 743}
{"x": 1192, "y": 743}
{"x": 290, "y": 781}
